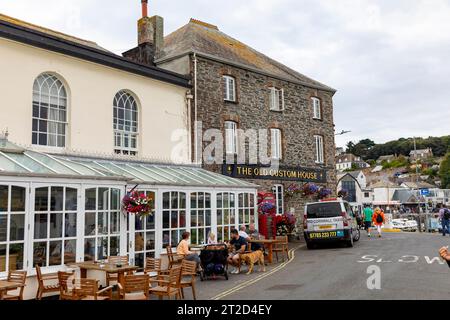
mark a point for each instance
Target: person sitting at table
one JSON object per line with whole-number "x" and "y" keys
{"x": 212, "y": 238}
{"x": 183, "y": 249}
{"x": 243, "y": 233}
{"x": 239, "y": 244}
{"x": 254, "y": 234}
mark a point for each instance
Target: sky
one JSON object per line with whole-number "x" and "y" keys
{"x": 389, "y": 60}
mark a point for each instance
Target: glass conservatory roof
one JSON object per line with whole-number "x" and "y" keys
{"x": 17, "y": 161}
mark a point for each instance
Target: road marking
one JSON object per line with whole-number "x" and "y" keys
{"x": 291, "y": 256}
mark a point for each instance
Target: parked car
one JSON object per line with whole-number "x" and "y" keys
{"x": 411, "y": 225}
{"x": 399, "y": 224}
{"x": 330, "y": 220}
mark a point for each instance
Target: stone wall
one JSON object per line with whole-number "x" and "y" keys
{"x": 251, "y": 111}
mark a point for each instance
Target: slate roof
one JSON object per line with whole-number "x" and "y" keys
{"x": 207, "y": 40}
{"x": 51, "y": 32}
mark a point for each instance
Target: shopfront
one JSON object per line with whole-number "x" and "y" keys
{"x": 56, "y": 210}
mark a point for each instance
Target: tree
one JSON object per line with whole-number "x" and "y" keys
{"x": 444, "y": 172}
{"x": 360, "y": 149}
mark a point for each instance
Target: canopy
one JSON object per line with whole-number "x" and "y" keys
{"x": 18, "y": 161}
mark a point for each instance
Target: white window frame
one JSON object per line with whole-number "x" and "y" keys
{"x": 229, "y": 88}
{"x": 123, "y": 137}
{"x": 48, "y": 239}
{"x": 318, "y": 141}
{"x": 178, "y": 230}
{"x": 146, "y": 231}
{"x": 276, "y": 144}
{"x": 246, "y": 208}
{"x": 8, "y": 213}
{"x": 232, "y": 221}
{"x": 109, "y": 210}
{"x": 59, "y": 100}
{"x": 201, "y": 225}
{"x": 231, "y": 137}
{"x": 317, "y": 108}
{"x": 279, "y": 198}
{"x": 276, "y": 100}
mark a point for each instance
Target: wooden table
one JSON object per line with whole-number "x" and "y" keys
{"x": 8, "y": 285}
{"x": 269, "y": 244}
{"x": 107, "y": 268}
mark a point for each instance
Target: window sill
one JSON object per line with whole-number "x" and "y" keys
{"x": 230, "y": 101}
{"x": 279, "y": 111}
{"x": 318, "y": 119}
{"x": 48, "y": 149}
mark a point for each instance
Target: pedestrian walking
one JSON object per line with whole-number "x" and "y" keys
{"x": 368, "y": 215}
{"x": 444, "y": 215}
{"x": 378, "y": 220}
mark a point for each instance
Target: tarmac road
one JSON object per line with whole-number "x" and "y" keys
{"x": 408, "y": 263}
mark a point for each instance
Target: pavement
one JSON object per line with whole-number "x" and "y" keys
{"x": 407, "y": 266}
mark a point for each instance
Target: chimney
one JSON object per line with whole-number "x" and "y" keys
{"x": 150, "y": 38}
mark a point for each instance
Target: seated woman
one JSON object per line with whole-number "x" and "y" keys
{"x": 183, "y": 249}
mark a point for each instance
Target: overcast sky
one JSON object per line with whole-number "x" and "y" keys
{"x": 389, "y": 60}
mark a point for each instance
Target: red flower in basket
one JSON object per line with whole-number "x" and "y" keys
{"x": 138, "y": 203}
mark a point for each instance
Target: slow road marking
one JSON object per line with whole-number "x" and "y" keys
{"x": 243, "y": 285}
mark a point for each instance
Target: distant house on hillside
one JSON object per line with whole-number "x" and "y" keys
{"x": 348, "y": 161}
{"x": 354, "y": 183}
{"x": 387, "y": 158}
{"x": 417, "y": 185}
{"x": 421, "y": 154}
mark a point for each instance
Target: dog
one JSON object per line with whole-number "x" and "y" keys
{"x": 253, "y": 258}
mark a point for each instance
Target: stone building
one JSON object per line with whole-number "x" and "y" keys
{"x": 236, "y": 87}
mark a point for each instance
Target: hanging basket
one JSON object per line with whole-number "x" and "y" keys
{"x": 138, "y": 204}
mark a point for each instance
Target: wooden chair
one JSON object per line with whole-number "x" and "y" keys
{"x": 88, "y": 289}
{"x": 45, "y": 288}
{"x": 153, "y": 267}
{"x": 281, "y": 246}
{"x": 66, "y": 291}
{"x": 110, "y": 277}
{"x": 19, "y": 277}
{"x": 188, "y": 274}
{"x": 168, "y": 285}
{"x": 174, "y": 258}
{"x": 134, "y": 287}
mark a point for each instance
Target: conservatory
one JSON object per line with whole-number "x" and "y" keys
{"x": 60, "y": 209}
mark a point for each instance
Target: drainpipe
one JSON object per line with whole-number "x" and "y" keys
{"x": 189, "y": 98}
{"x": 195, "y": 109}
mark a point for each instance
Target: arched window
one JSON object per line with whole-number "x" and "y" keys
{"x": 49, "y": 111}
{"x": 125, "y": 123}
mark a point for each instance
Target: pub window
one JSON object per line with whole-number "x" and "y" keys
{"x": 101, "y": 223}
{"x": 316, "y": 108}
{"x": 229, "y": 88}
{"x": 174, "y": 217}
{"x": 125, "y": 122}
{"x": 276, "y": 99}
{"x": 49, "y": 123}
{"x": 279, "y": 201}
{"x": 144, "y": 236}
{"x": 12, "y": 227}
{"x": 226, "y": 215}
{"x": 276, "y": 147}
{"x": 231, "y": 139}
{"x": 319, "y": 149}
{"x": 200, "y": 217}
{"x": 246, "y": 209}
{"x": 55, "y": 226}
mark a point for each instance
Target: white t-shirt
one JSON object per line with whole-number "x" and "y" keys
{"x": 243, "y": 234}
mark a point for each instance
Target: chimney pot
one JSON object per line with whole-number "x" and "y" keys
{"x": 144, "y": 8}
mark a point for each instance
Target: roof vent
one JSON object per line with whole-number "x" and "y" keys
{"x": 204, "y": 24}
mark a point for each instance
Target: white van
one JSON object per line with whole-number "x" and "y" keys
{"x": 330, "y": 220}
